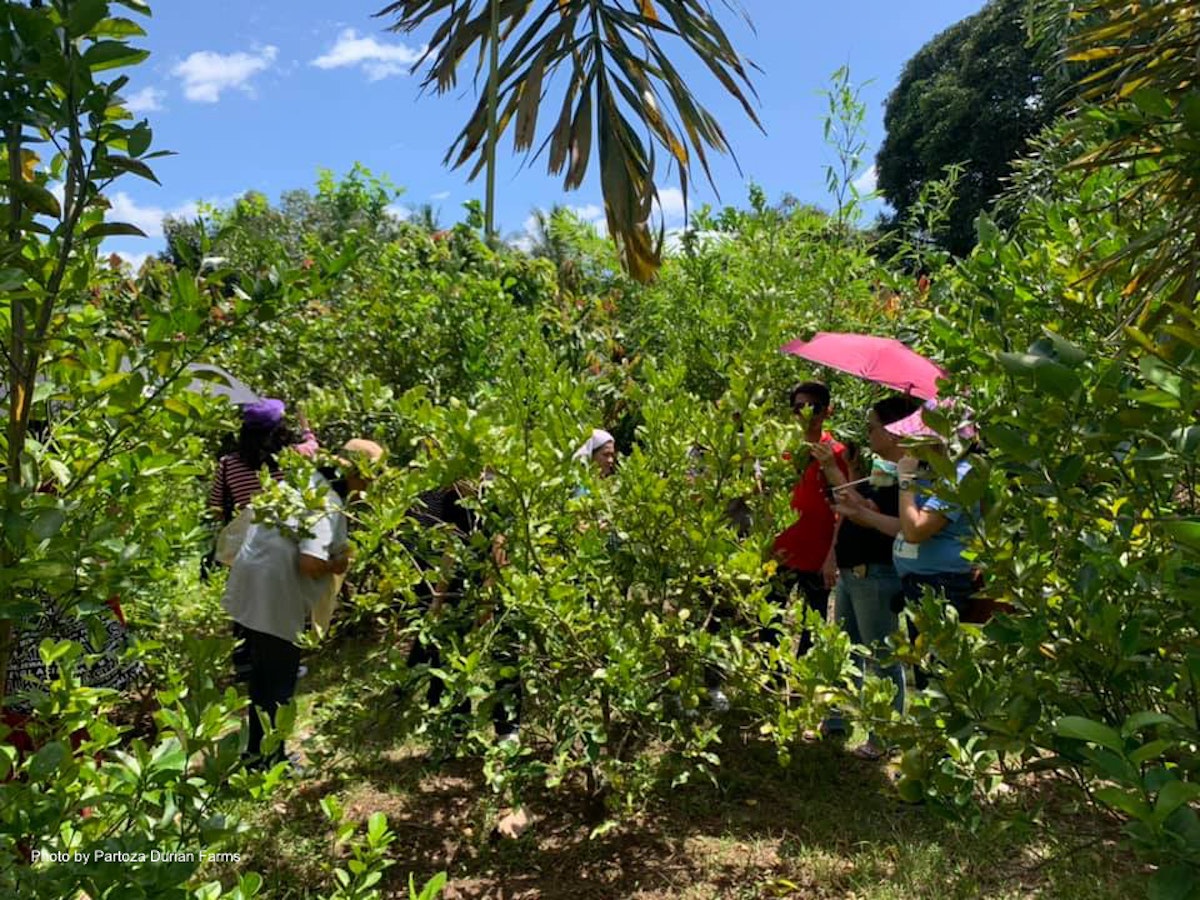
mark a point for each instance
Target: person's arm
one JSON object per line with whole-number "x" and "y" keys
{"x": 317, "y": 558}
{"x": 316, "y": 567}
{"x": 916, "y": 525}
{"x": 216, "y": 494}
{"x": 859, "y": 511}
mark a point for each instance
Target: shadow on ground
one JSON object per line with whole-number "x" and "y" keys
{"x": 827, "y": 826}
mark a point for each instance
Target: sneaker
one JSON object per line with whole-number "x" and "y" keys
{"x": 833, "y": 731}
{"x": 870, "y": 751}
{"x": 512, "y": 736}
{"x": 718, "y": 701}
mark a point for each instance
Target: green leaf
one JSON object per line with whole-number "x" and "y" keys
{"x": 169, "y": 755}
{"x": 1153, "y": 103}
{"x": 119, "y": 28}
{"x": 85, "y": 15}
{"x": 1127, "y": 801}
{"x": 38, "y": 199}
{"x": 48, "y": 523}
{"x": 139, "y": 138}
{"x": 1082, "y": 729}
{"x": 1172, "y": 796}
{"x": 1184, "y": 531}
{"x": 132, "y": 166}
{"x": 104, "y": 55}
{"x": 1141, "y": 720}
{"x": 47, "y": 761}
{"x": 1151, "y": 751}
{"x": 114, "y": 229}
{"x": 376, "y": 826}
{"x": 1177, "y": 882}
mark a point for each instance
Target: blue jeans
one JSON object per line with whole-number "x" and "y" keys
{"x": 864, "y": 608}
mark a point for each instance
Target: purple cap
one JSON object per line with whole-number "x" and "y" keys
{"x": 266, "y": 413}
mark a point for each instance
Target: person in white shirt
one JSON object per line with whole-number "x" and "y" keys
{"x": 276, "y": 580}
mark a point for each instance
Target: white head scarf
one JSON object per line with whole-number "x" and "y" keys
{"x": 599, "y": 438}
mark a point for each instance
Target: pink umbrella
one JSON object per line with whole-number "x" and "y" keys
{"x": 882, "y": 360}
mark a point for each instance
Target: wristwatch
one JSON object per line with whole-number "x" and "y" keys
{"x": 906, "y": 484}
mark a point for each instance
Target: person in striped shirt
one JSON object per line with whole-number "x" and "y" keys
{"x": 261, "y": 438}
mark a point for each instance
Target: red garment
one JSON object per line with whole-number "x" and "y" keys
{"x": 805, "y": 543}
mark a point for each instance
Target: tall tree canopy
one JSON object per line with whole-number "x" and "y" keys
{"x": 973, "y": 95}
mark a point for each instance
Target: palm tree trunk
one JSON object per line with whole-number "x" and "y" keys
{"x": 493, "y": 91}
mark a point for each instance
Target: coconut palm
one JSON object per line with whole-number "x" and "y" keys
{"x": 1141, "y": 76}
{"x": 619, "y": 84}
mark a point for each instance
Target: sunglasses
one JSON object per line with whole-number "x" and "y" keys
{"x": 811, "y": 406}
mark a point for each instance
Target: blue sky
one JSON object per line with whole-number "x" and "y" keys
{"x": 260, "y": 95}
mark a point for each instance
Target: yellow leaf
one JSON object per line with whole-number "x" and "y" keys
{"x": 29, "y": 161}
{"x": 1094, "y": 53}
{"x": 648, "y": 10}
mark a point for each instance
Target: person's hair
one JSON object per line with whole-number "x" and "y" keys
{"x": 893, "y": 409}
{"x": 336, "y": 480}
{"x": 814, "y": 389}
{"x": 258, "y": 446}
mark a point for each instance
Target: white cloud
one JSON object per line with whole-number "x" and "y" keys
{"x": 590, "y": 214}
{"x": 867, "y": 181}
{"x": 377, "y": 59}
{"x": 148, "y": 99}
{"x": 126, "y": 209}
{"x": 150, "y": 218}
{"x": 206, "y": 74}
{"x": 399, "y": 211}
{"x": 673, "y": 239}
{"x": 440, "y": 195}
{"x": 670, "y": 202}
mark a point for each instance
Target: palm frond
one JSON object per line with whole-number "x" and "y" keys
{"x": 619, "y": 89}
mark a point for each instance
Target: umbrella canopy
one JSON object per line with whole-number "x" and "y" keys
{"x": 882, "y": 360}
{"x": 210, "y": 379}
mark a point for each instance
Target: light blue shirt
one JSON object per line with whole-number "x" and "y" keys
{"x": 943, "y": 552}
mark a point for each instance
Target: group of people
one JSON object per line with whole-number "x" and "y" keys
{"x": 874, "y": 537}
{"x": 873, "y": 541}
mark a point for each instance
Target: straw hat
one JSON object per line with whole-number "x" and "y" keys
{"x": 359, "y": 453}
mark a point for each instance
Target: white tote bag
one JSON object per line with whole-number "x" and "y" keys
{"x": 322, "y": 611}
{"x": 232, "y": 536}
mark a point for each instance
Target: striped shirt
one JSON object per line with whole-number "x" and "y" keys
{"x": 235, "y": 485}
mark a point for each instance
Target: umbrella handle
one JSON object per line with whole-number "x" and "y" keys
{"x": 838, "y": 487}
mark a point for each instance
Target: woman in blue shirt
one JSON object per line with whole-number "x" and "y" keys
{"x": 934, "y": 533}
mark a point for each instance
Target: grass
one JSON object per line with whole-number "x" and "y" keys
{"x": 828, "y": 826}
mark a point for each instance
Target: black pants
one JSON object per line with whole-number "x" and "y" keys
{"x": 813, "y": 594}
{"x": 273, "y": 665}
{"x": 957, "y": 588}
{"x": 508, "y": 689}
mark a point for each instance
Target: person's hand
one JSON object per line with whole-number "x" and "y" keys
{"x": 340, "y": 563}
{"x": 499, "y": 553}
{"x": 822, "y": 452}
{"x": 907, "y": 466}
{"x": 850, "y": 504}
{"x": 829, "y": 571}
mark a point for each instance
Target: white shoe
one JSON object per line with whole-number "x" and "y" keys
{"x": 510, "y": 737}
{"x": 718, "y": 701}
